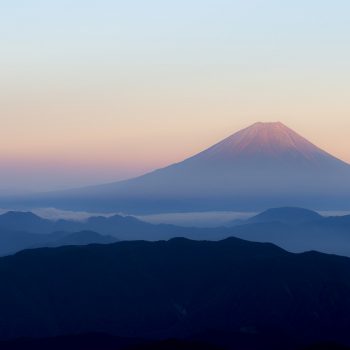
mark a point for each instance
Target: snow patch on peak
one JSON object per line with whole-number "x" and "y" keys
{"x": 266, "y": 140}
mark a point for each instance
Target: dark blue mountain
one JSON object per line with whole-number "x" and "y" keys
{"x": 14, "y": 241}
{"x": 293, "y": 229}
{"x": 25, "y": 221}
{"x": 20, "y": 231}
{"x": 286, "y": 215}
{"x": 176, "y": 289}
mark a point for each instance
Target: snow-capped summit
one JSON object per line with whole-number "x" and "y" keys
{"x": 266, "y": 140}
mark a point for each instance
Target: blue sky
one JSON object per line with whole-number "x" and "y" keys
{"x": 123, "y": 81}
{"x": 162, "y": 31}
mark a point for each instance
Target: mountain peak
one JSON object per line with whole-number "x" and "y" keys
{"x": 287, "y": 215}
{"x": 268, "y": 125}
{"x": 273, "y": 127}
{"x": 264, "y": 140}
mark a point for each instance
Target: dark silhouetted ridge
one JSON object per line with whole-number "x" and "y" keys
{"x": 176, "y": 289}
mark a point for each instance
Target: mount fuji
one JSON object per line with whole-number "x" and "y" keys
{"x": 264, "y": 165}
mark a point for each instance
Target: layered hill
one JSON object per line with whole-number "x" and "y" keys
{"x": 286, "y": 215}
{"x": 176, "y": 289}
{"x": 23, "y": 230}
{"x": 294, "y": 229}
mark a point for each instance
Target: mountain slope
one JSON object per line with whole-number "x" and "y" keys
{"x": 112, "y": 225}
{"x": 60, "y": 239}
{"x": 12, "y": 242}
{"x": 20, "y": 231}
{"x": 263, "y": 166}
{"x": 294, "y": 229}
{"x": 269, "y": 140}
{"x": 287, "y": 215}
{"x": 25, "y": 221}
{"x": 175, "y": 288}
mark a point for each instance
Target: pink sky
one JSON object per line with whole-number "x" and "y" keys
{"x": 121, "y": 89}
{"x": 83, "y": 155}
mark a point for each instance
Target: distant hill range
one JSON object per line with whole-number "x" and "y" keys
{"x": 285, "y": 215}
{"x": 23, "y": 230}
{"x": 14, "y": 241}
{"x": 265, "y": 165}
{"x": 222, "y": 292}
{"x": 294, "y": 229}
{"x": 297, "y": 230}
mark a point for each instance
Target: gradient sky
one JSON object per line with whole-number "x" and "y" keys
{"x": 100, "y": 90}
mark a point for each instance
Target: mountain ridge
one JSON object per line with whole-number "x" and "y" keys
{"x": 294, "y": 229}
{"x": 175, "y": 288}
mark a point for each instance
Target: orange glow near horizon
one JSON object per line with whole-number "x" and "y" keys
{"x": 122, "y": 89}
{"x": 119, "y": 151}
